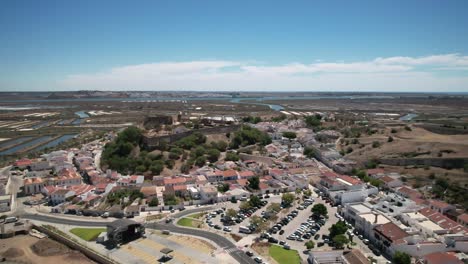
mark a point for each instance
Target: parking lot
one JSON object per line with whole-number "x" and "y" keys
{"x": 280, "y": 236}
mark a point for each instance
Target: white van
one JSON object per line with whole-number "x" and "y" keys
{"x": 245, "y": 230}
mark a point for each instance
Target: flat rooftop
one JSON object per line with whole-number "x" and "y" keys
{"x": 371, "y": 217}
{"x": 361, "y": 208}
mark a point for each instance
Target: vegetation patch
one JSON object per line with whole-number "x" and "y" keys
{"x": 188, "y": 222}
{"x": 88, "y": 234}
{"x": 284, "y": 256}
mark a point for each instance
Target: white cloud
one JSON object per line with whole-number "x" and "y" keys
{"x": 381, "y": 74}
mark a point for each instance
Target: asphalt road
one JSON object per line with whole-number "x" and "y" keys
{"x": 221, "y": 241}
{"x": 64, "y": 221}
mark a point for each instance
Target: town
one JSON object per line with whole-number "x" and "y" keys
{"x": 279, "y": 188}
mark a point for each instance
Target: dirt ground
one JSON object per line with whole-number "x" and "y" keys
{"x": 262, "y": 249}
{"x": 418, "y": 141}
{"x": 28, "y": 249}
{"x": 195, "y": 243}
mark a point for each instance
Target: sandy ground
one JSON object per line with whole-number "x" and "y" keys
{"x": 418, "y": 140}
{"x": 195, "y": 243}
{"x": 18, "y": 249}
{"x": 262, "y": 248}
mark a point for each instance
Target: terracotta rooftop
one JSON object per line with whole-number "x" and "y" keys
{"x": 391, "y": 231}
{"x": 438, "y": 204}
{"x": 442, "y": 258}
{"x": 246, "y": 174}
{"x": 350, "y": 179}
{"x": 355, "y": 256}
{"x": 463, "y": 217}
{"x": 374, "y": 171}
{"x": 229, "y": 173}
{"x": 173, "y": 180}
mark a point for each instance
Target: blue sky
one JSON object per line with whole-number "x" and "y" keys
{"x": 234, "y": 45}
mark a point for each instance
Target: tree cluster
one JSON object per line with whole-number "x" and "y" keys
{"x": 249, "y": 136}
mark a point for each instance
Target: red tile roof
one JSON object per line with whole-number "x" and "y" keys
{"x": 330, "y": 174}
{"x": 179, "y": 187}
{"x": 391, "y": 231}
{"x": 438, "y": 204}
{"x": 442, "y": 258}
{"x": 173, "y": 180}
{"x": 386, "y": 179}
{"x": 374, "y": 171}
{"x": 350, "y": 180}
{"x": 242, "y": 182}
{"x": 229, "y": 173}
{"x": 23, "y": 162}
{"x": 463, "y": 217}
{"x": 246, "y": 174}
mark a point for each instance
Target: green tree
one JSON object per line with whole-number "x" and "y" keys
{"x": 274, "y": 207}
{"x": 185, "y": 168}
{"x": 231, "y": 156}
{"x": 287, "y": 199}
{"x": 309, "y": 152}
{"x": 340, "y": 240}
{"x": 309, "y": 244}
{"x": 223, "y": 187}
{"x": 140, "y": 169}
{"x": 156, "y": 168}
{"x": 154, "y": 202}
{"x": 213, "y": 155}
{"x": 221, "y": 145}
{"x": 200, "y": 161}
{"x": 254, "y": 183}
{"x": 390, "y": 139}
{"x": 258, "y": 222}
{"x": 312, "y": 121}
{"x": 401, "y": 258}
{"x": 255, "y": 201}
{"x": 289, "y": 135}
{"x": 231, "y": 212}
{"x": 339, "y": 228}
{"x": 375, "y": 144}
{"x": 319, "y": 209}
{"x": 245, "y": 205}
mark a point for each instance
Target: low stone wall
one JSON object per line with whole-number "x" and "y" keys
{"x": 77, "y": 246}
{"x": 266, "y": 160}
{"x": 448, "y": 163}
{"x": 152, "y": 143}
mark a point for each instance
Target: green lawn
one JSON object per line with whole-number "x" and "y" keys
{"x": 87, "y": 234}
{"x": 189, "y": 222}
{"x": 284, "y": 256}
{"x": 196, "y": 215}
{"x": 185, "y": 222}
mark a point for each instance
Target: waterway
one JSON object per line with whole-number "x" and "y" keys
{"x": 408, "y": 117}
{"x": 55, "y": 142}
{"x": 82, "y": 114}
{"x": 25, "y": 145}
{"x": 14, "y": 142}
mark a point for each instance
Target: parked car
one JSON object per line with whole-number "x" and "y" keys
{"x": 249, "y": 253}
{"x": 258, "y": 259}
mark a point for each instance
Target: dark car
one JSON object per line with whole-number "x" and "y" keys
{"x": 320, "y": 244}
{"x": 217, "y": 227}
{"x": 249, "y": 253}
{"x": 273, "y": 240}
{"x": 317, "y": 236}
{"x": 281, "y": 232}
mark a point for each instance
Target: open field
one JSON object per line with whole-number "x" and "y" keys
{"x": 88, "y": 234}
{"x": 28, "y": 249}
{"x": 407, "y": 144}
{"x": 284, "y": 256}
